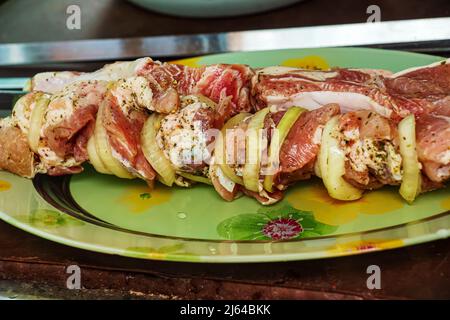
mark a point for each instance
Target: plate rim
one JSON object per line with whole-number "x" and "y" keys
{"x": 257, "y": 258}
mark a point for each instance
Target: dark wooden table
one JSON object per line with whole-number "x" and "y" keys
{"x": 39, "y": 266}
{"x": 35, "y": 266}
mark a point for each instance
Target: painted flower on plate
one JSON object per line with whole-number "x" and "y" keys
{"x": 281, "y": 222}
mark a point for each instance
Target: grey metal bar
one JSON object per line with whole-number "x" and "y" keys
{"x": 403, "y": 31}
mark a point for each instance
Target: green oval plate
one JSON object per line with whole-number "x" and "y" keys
{"x": 105, "y": 214}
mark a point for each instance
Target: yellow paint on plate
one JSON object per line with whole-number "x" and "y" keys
{"x": 365, "y": 245}
{"x": 4, "y": 185}
{"x": 314, "y": 197}
{"x": 190, "y": 62}
{"x": 308, "y": 62}
{"x": 161, "y": 253}
{"x": 446, "y": 204}
{"x": 140, "y": 199}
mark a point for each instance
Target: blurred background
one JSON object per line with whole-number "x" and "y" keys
{"x": 45, "y": 20}
{"x": 26, "y": 27}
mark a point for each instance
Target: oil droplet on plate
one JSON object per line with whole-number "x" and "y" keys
{"x": 181, "y": 215}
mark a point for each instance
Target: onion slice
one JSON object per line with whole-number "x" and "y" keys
{"x": 225, "y": 187}
{"x": 154, "y": 155}
{"x": 94, "y": 158}
{"x": 28, "y": 85}
{"x": 412, "y": 179}
{"x": 195, "y": 178}
{"x": 220, "y": 148}
{"x": 104, "y": 150}
{"x": 36, "y": 121}
{"x": 195, "y": 98}
{"x": 283, "y": 128}
{"x": 253, "y": 151}
{"x": 332, "y": 164}
{"x": 317, "y": 169}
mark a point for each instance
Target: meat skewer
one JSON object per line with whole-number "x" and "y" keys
{"x": 370, "y": 148}
{"x": 130, "y": 88}
{"x": 104, "y": 117}
{"x": 167, "y": 82}
{"x": 422, "y": 91}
